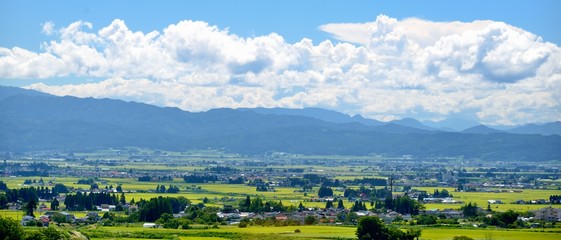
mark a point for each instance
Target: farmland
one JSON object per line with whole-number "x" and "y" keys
{"x": 140, "y": 173}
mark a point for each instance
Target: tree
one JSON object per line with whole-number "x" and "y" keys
{"x": 30, "y": 207}
{"x": 58, "y": 218}
{"x": 372, "y": 228}
{"x": 309, "y": 220}
{"x": 10, "y": 229}
{"x": 244, "y": 205}
{"x": 340, "y": 205}
{"x": 412, "y": 233}
{"x": 329, "y": 205}
{"x": 470, "y": 210}
{"x": 325, "y": 192}
{"x": 301, "y": 207}
{"x": 54, "y": 204}
{"x": 426, "y": 219}
{"x": 123, "y": 199}
{"x": 3, "y": 201}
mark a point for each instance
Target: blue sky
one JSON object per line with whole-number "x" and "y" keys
{"x": 21, "y": 20}
{"x": 496, "y": 62}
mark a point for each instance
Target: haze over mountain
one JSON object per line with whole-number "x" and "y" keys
{"x": 553, "y": 128}
{"x": 317, "y": 113}
{"x": 451, "y": 124}
{"x": 34, "y": 121}
{"x": 481, "y": 129}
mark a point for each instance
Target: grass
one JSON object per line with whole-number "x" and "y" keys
{"x": 444, "y": 233}
{"x": 319, "y": 232}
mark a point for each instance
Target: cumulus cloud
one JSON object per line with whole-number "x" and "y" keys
{"x": 385, "y": 69}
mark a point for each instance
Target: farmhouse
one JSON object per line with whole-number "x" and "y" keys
{"x": 26, "y": 219}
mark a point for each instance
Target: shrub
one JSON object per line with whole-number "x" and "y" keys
{"x": 462, "y": 238}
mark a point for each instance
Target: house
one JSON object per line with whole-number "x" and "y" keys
{"x": 93, "y": 216}
{"x": 150, "y": 225}
{"x": 26, "y": 219}
{"x": 69, "y": 217}
{"x": 452, "y": 214}
{"x": 106, "y": 208}
{"x": 45, "y": 220}
{"x": 548, "y": 214}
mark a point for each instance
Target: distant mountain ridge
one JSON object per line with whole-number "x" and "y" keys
{"x": 317, "y": 113}
{"x": 44, "y": 122}
{"x": 553, "y": 128}
{"x": 481, "y": 129}
{"x": 452, "y": 124}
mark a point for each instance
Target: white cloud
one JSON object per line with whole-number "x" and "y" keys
{"x": 408, "y": 68}
{"x": 48, "y": 27}
{"x": 422, "y": 32}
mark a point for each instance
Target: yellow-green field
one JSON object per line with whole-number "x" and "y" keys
{"x": 214, "y": 192}
{"x": 330, "y": 232}
{"x": 506, "y": 197}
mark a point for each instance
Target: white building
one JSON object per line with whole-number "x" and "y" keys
{"x": 548, "y": 214}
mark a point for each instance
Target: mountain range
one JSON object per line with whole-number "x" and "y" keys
{"x": 31, "y": 121}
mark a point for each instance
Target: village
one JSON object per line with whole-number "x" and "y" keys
{"x": 323, "y": 196}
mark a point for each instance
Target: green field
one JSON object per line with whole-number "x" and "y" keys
{"x": 319, "y": 232}
{"x": 506, "y": 197}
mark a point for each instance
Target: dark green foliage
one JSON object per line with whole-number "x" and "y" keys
{"x": 426, "y": 219}
{"x": 371, "y": 181}
{"x": 403, "y": 205}
{"x": 461, "y": 238}
{"x": 340, "y": 205}
{"x": 168, "y": 221}
{"x": 30, "y": 206}
{"x": 58, "y": 218}
{"x": 52, "y": 233}
{"x": 372, "y": 228}
{"x": 441, "y": 194}
{"x": 24, "y": 194}
{"x": 503, "y": 219}
{"x": 3, "y": 201}
{"x": 82, "y": 201}
{"x": 262, "y": 188}
{"x": 358, "y": 206}
{"x": 258, "y": 206}
{"x": 152, "y": 210}
{"x": 309, "y": 220}
{"x": 372, "y": 193}
{"x": 242, "y": 225}
{"x": 86, "y": 181}
{"x": 238, "y": 180}
{"x": 555, "y": 199}
{"x": 202, "y": 215}
{"x": 329, "y": 204}
{"x": 55, "y": 204}
{"x": 325, "y": 192}
{"x": 60, "y": 188}
{"x": 200, "y": 178}
{"x": 10, "y": 229}
{"x": 470, "y": 210}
